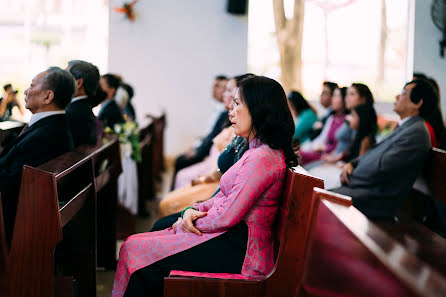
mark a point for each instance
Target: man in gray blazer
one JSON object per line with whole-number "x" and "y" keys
{"x": 379, "y": 180}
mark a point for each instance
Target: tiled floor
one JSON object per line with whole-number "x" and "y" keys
{"x": 104, "y": 278}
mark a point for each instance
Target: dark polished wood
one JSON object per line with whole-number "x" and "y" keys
{"x": 291, "y": 233}
{"x": 4, "y": 258}
{"x": 53, "y": 248}
{"x": 48, "y": 241}
{"x": 146, "y": 176}
{"x": 107, "y": 168}
{"x": 9, "y": 130}
{"x": 435, "y": 172}
{"x": 158, "y": 147}
{"x": 409, "y": 230}
{"x": 348, "y": 255}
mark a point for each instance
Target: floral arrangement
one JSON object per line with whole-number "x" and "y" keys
{"x": 128, "y": 134}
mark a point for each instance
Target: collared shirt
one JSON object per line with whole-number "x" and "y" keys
{"x": 79, "y": 98}
{"x": 41, "y": 115}
{"x": 401, "y": 122}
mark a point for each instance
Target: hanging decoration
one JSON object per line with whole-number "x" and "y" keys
{"x": 127, "y": 10}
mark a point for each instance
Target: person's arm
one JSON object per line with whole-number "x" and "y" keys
{"x": 408, "y": 150}
{"x": 322, "y": 137}
{"x": 206, "y": 205}
{"x": 208, "y": 178}
{"x": 4, "y": 104}
{"x": 256, "y": 175}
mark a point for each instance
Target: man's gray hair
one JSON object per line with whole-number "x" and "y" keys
{"x": 89, "y": 74}
{"x": 62, "y": 83}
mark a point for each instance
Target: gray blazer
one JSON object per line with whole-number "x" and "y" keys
{"x": 383, "y": 176}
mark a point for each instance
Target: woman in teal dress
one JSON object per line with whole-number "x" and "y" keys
{"x": 304, "y": 116}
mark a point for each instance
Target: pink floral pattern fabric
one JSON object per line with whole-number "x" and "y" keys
{"x": 250, "y": 191}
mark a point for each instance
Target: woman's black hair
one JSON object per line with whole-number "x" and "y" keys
{"x": 98, "y": 97}
{"x": 239, "y": 78}
{"x": 343, "y": 91}
{"x": 424, "y": 90}
{"x": 367, "y": 128}
{"x": 271, "y": 118}
{"x": 364, "y": 92}
{"x": 112, "y": 80}
{"x": 129, "y": 90}
{"x": 298, "y": 102}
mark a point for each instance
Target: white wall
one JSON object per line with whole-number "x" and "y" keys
{"x": 170, "y": 55}
{"x": 426, "y": 48}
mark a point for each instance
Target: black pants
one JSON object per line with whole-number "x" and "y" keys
{"x": 165, "y": 222}
{"x": 223, "y": 254}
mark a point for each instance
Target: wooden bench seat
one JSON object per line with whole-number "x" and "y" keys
{"x": 53, "y": 248}
{"x": 4, "y": 258}
{"x": 291, "y": 232}
{"x": 49, "y": 241}
{"x": 410, "y": 230}
{"x": 348, "y": 255}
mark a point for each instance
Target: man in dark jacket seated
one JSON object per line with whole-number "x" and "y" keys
{"x": 45, "y": 137}
{"x": 81, "y": 119}
{"x": 379, "y": 180}
{"x": 110, "y": 114}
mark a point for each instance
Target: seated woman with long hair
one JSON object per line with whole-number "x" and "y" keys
{"x": 219, "y": 234}
{"x": 326, "y": 142}
{"x": 304, "y": 116}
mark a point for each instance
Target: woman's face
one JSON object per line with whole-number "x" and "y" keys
{"x": 353, "y": 120}
{"x": 241, "y": 118}
{"x": 337, "y": 104}
{"x": 228, "y": 95}
{"x": 352, "y": 98}
{"x": 106, "y": 88}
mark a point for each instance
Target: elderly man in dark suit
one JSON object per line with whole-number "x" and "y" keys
{"x": 81, "y": 119}
{"x": 44, "y": 138}
{"x": 379, "y": 180}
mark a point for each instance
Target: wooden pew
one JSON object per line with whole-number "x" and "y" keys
{"x": 107, "y": 166}
{"x": 146, "y": 185}
{"x": 4, "y": 259}
{"x": 409, "y": 229}
{"x": 158, "y": 146}
{"x": 348, "y": 255}
{"x": 9, "y": 130}
{"x": 291, "y": 233}
{"x": 50, "y": 239}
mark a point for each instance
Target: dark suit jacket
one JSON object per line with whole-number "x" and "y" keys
{"x": 111, "y": 115}
{"x": 43, "y": 141}
{"x": 384, "y": 175}
{"x": 82, "y": 122}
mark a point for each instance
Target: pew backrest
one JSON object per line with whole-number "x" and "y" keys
{"x": 350, "y": 255}
{"x": 291, "y": 233}
{"x": 52, "y": 196}
{"x": 4, "y": 258}
{"x": 435, "y": 173}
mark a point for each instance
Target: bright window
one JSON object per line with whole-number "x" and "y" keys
{"x": 351, "y": 41}
{"x": 36, "y": 34}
